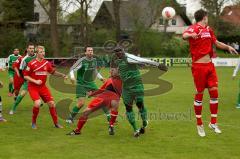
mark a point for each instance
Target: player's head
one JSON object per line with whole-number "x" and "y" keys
{"x": 201, "y": 16}
{"x": 30, "y": 49}
{"x": 89, "y": 51}
{"x": 16, "y": 51}
{"x": 114, "y": 71}
{"x": 119, "y": 51}
{"x": 40, "y": 50}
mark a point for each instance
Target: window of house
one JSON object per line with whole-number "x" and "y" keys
{"x": 36, "y": 17}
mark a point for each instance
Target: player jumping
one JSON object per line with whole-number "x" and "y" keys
{"x": 133, "y": 89}
{"x": 107, "y": 96}
{"x": 201, "y": 39}
{"x": 36, "y": 75}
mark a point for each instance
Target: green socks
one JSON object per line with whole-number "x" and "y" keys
{"x": 131, "y": 119}
{"x": 10, "y": 88}
{"x": 143, "y": 113}
{"x": 16, "y": 103}
{"x": 74, "y": 112}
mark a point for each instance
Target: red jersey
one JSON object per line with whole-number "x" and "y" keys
{"x": 112, "y": 88}
{"x": 17, "y": 63}
{"x": 38, "y": 70}
{"x": 203, "y": 44}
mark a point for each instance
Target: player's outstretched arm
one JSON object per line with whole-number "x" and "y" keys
{"x": 59, "y": 74}
{"x": 223, "y": 46}
{"x": 30, "y": 79}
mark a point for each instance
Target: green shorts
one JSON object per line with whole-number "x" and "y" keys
{"x": 82, "y": 88}
{"x": 131, "y": 94}
{"x": 10, "y": 73}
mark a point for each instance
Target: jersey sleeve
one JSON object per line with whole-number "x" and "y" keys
{"x": 214, "y": 39}
{"x": 190, "y": 30}
{"x": 139, "y": 60}
{"x": 50, "y": 68}
{"x": 22, "y": 65}
{"x": 75, "y": 67}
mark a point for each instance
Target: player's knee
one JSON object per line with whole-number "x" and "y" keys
{"x": 23, "y": 93}
{"x": 128, "y": 108}
{"x": 51, "y": 104}
{"x": 37, "y": 103}
{"x": 140, "y": 105}
{"x": 213, "y": 93}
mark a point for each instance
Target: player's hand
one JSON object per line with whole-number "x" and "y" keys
{"x": 162, "y": 67}
{"x": 232, "y": 50}
{"x": 65, "y": 77}
{"x": 103, "y": 80}
{"x": 194, "y": 35}
{"x": 38, "y": 82}
{"x": 1, "y": 84}
{"x": 73, "y": 81}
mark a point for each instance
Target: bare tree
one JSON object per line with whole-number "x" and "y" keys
{"x": 52, "y": 14}
{"x": 116, "y": 10}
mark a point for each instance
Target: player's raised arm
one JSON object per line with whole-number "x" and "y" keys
{"x": 223, "y": 46}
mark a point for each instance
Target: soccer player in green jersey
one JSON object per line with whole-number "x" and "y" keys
{"x": 133, "y": 89}
{"x": 86, "y": 68}
{"x": 11, "y": 59}
{"x": 30, "y": 55}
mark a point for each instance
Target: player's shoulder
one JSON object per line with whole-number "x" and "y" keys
{"x": 32, "y": 62}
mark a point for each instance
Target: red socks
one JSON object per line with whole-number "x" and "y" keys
{"x": 35, "y": 112}
{"x": 114, "y": 115}
{"x": 198, "y": 108}
{"x": 213, "y": 105}
{"x": 53, "y": 113}
{"x": 82, "y": 120}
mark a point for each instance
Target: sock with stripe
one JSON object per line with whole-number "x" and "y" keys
{"x": 213, "y": 105}
{"x": 198, "y": 108}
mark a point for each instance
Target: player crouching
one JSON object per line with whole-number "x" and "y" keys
{"x": 109, "y": 96}
{"x": 36, "y": 75}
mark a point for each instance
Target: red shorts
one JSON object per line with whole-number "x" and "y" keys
{"x": 204, "y": 75}
{"x": 103, "y": 99}
{"x": 17, "y": 82}
{"x": 36, "y": 92}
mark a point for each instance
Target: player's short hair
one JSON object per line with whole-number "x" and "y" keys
{"x": 30, "y": 44}
{"x": 39, "y": 47}
{"x": 85, "y": 48}
{"x": 199, "y": 15}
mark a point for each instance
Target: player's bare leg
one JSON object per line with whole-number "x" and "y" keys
{"x": 213, "y": 92}
{"x": 53, "y": 112}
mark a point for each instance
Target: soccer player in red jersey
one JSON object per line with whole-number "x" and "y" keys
{"x": 107, "y": 96}
{"x": 36, "y": 75}
{"x": 201, "y": 39}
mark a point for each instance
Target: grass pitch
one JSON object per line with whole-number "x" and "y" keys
{"x": 171, "y": 132}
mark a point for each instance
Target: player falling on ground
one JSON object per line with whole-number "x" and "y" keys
{"x": 233, "y": 76}
{"x": 1, "y": 116}
{"x": 107, "y": 96}
{"x": 11, "y": 59}
{"x": 133, "y": 89}
{"x": 86, "y": 68}
{"x": 36, "y": 74}
{"x": 201, "y": 39}
{"x": 19, "y": 72}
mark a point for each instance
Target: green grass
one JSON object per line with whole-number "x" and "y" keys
{"x": 167, "y": 136}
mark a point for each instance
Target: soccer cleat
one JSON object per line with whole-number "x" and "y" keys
{"x": 34, "y": 126}
{"x": 142, "y": 129}
{"x": 238, "y": 106}
{"x": 58, "y": 126}
{"x": 2, "y": 119}
{"x": 215, "y": 128}
{"x": 111, "y": 130}
{"x": 136, "y": 133}
{"x": 11, "y": 112}
{"x": 72, "y": 133}
{"x": 200, "y": 130}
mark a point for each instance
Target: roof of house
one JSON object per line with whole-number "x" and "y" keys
{"x": 136, "y": 10}
{"x": 231, "y": 14}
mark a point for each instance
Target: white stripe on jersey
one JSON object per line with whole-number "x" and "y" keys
{"x": 40, "y": 66}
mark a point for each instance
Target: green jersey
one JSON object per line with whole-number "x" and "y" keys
{"x": 86, "y": 70}
{"x": 11, "y": 59}
{"x": 25, "y": 61}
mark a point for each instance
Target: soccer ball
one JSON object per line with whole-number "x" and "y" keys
{"x": 168, "y": 12}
